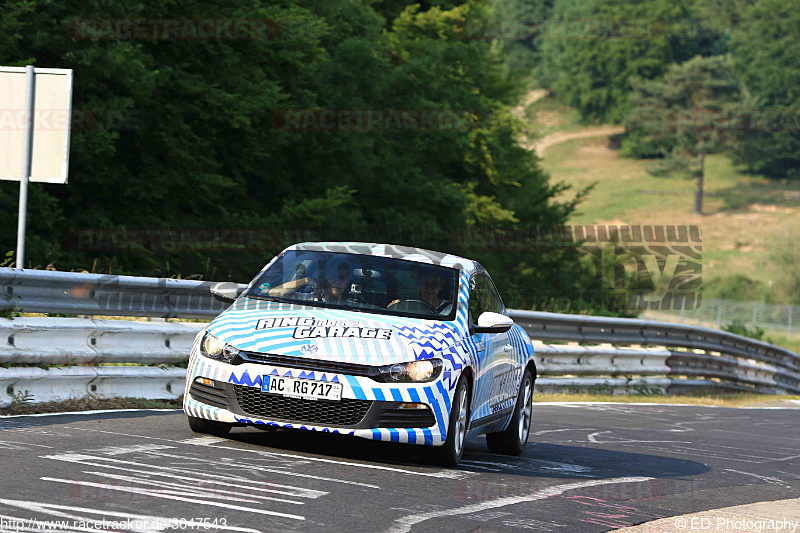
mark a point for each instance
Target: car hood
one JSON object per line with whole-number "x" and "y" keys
{"x": 332, "y": 334}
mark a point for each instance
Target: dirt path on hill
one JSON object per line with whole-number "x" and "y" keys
{"x": 531, "y": 97}
{"x": 540, "y": 145}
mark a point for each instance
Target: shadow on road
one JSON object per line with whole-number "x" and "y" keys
{"x": 540, "y": 460}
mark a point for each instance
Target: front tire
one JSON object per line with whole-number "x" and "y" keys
{"x": 209, "y": 427}
{"x": 449, "y": 454}
{"x": 512, "y": 441}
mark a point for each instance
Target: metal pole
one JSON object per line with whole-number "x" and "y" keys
{"x": 27, "y": 158}
{"x": 790, "y": 320}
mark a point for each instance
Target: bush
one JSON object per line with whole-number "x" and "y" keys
{"x": 737, "y": 288}
{"x": 740, "y": 328}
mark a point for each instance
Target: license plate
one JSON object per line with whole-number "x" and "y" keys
{"x": 307, "y": 389}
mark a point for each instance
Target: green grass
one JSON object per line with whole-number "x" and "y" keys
{"x": 548, "y": 116}
{"x": 745, "y": 217}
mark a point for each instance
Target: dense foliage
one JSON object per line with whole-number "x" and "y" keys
{"x": 588, "y": 52}
{"x": 592, "y": 49}
{"x": 767, "y": 57}
{"x": 217, "y": 134}
{"x": 676, "y": 113}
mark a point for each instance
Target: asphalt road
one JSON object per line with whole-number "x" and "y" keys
{"x": 587, "y": 468}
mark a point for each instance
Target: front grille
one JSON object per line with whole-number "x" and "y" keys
{"x": 346, "y": 412}
{"x": 303, "y": 363}
{"x": 405, "y": 418}
{"x": 210, "y": 395}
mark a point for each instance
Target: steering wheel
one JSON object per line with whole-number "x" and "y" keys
{"x": 420, "y": 303}
{"x": 304, "y": 289}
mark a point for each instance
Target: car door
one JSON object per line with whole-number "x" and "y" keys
{"x": 495, "y": 375}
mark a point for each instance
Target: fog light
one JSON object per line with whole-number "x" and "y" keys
{"x": 205, "y": 381}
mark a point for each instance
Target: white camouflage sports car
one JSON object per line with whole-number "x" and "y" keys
{"x": 377, "y": 341}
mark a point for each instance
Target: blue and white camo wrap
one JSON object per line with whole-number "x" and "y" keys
{"x": 411, "y": 339}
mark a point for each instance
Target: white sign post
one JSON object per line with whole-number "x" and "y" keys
{"x": 35, "y": 121}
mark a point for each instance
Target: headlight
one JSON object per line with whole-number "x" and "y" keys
{"x": 213, "y": 348}
{"x": 411, "y": 372}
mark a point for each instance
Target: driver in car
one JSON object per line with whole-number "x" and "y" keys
{"x": 430, "y": 285}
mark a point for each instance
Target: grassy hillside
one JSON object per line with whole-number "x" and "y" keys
{"x": 746, "y": 219}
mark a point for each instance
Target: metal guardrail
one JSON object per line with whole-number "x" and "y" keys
{"x": 37, "y": 385}
{"x": 81, "y": 341}
{"x": 681, "y": 357}
{"x": 723, "y": 360}
{"x": 55, "y": 292}
{"x": 63, "y": 347}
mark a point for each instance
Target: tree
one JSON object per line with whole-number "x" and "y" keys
{"x": 516, "y": 27}
{"x": 683, "y": 113}
{"x": 203, "y": 146}
{"x": 591, "y": 49}
{"x": 767, "y": 58}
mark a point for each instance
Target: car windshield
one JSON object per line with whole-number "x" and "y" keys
{"x": 357, "y": 282}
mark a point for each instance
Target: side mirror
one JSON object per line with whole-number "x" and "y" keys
{"x": 225, "y": 291}
{"x": 490, "y": 322}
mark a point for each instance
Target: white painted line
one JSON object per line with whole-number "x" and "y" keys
{"x": 542, "y": 432}
{"x": 404, "y": 524}
{"x": 446, "y": 474}
{"x": 274, "y": 470}
{"x": 490, "y": 463}
{"x": 136, "y": 448}
{"x": 772, "y": 480}
{"x": 209, "y": 492}
{"x": 16, "y": 445}
{"x": 614, "y": 440}
{"x": 95, "y": 412}
{"x": 480, "y": 467}
{"x": 566, "y": 468}
{"x": 170, "y": 472}
{"x": 203, "y": 441}
{"x": 783, "y": 458}
{"x": 145, "y": 492}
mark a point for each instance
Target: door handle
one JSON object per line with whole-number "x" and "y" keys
{"x": 508, "y": 348}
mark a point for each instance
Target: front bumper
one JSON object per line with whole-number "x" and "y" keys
{"x": 368, "y": 409}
